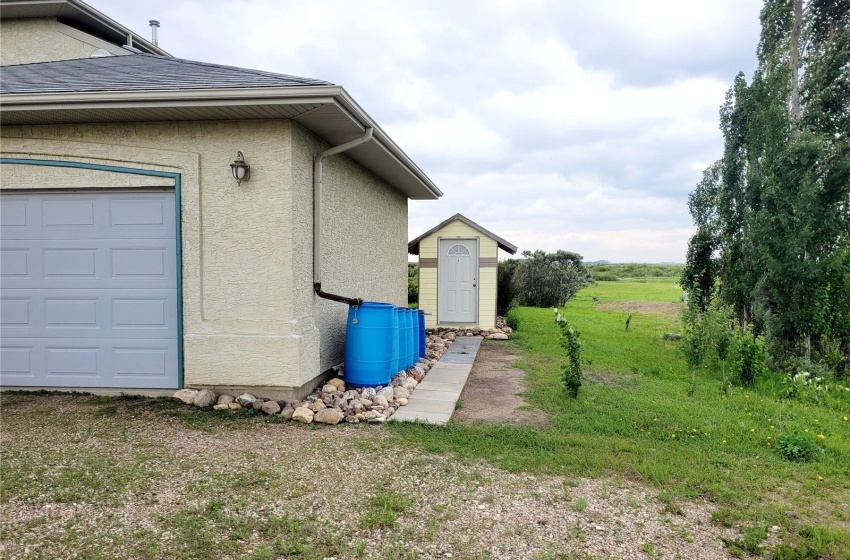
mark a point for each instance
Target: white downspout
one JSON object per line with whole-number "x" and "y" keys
{"x": 317, "y": 215}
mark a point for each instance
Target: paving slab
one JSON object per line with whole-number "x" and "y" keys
{"x": 447, "y": 378}
{"x": 434, "y": 399}
{"x": 429, "y": 417}
{"x": 434, "y": 386}
{"x": 435, "y": 394}
{"x": 440, "y": 366}
{"x": 425, "y": 405}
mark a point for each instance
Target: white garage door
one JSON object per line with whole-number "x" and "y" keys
{"x": 88, "y": 283}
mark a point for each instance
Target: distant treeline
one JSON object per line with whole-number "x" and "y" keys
{"x": 615, "y": 272}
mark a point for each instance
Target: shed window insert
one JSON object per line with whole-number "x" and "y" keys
{"x": 458, "y": 250}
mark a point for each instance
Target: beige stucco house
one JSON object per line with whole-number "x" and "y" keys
{"x": 458, "y": 262}
{"x": 131, "y": 256}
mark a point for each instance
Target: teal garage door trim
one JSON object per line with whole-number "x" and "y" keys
{"x": 171, "y": 303}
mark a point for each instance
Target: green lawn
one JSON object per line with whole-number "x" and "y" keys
{"x": 634, "y": 418}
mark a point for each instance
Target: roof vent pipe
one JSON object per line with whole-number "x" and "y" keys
{"x": 317, "y": 216}
{"x": 154, "y": 31}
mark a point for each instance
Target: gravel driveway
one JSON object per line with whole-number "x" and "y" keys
{"x": 96, "y": 478}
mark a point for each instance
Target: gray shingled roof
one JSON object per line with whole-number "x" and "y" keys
{"x": 138, "y": 72}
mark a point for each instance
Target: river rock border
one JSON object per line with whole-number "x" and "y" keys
{"x": 332, "y": 403}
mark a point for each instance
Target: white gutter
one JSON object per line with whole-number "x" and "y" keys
{"x": 317, "y": 215}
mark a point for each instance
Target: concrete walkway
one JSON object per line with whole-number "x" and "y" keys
{"x": 434, "y": 399}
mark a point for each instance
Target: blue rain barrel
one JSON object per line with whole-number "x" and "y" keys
{"x": 369, "y": 348}
{"x": 402, "y": 339}
{"x": 421, "y": 334}
{"x": 413, "y": 315}
{"x": 404, "y": 322}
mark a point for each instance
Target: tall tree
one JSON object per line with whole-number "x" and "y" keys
{"x": 779, "y": 206}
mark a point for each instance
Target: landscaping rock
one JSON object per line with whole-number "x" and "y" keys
{"x": 410, "y": 385}
{"x": 368, "y": 393}
{"x": 329, "y": 389}
{"x": 225, "y": 399}
{"x": 400, "y": 393}
{"x": 270, "y": 407}
{"x": 234, "y": 406}
{"x": 246, "y": 400}
{"x": 387, "y": 393}
{"x": 221, "y": 407}
{"x": 672, "y": 336}
{"x": 401, "y": 401}
{"x": 380, "y": 400}
{"x": 186, "y": 396}
{"x": 317, "y": 406}
{"x": 258, "y": 404}
{"x": 328, "y": 416}
{"x": 497, "y": 336}
{"x": 303, "y": 414}
{"x": 205, "y": 398}
{"x": 338, "y": 383}
{"x": 287, "y": 412}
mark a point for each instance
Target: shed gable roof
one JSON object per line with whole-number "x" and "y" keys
{"x": 413, "y": 246}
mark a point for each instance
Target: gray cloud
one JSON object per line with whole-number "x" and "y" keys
{"x": 566, "y": 124}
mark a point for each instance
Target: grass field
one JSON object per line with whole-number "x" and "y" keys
{"x": 634, "y": 419}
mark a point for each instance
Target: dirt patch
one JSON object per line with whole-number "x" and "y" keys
{"x": 667, "y": 309}
{"x": 492, "y": 390}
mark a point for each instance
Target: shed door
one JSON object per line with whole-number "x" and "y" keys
{"x": 89, "y": 290}
{"x": 457, "y": 281}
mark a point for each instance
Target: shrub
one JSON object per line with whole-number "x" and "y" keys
{"x": 571, "y": 372}
{"x": 412, "y": 283}
{"x": 749, "y": 359}
{"x": 549, "y": 279}
{"x": 605, "y": 277}
{"x": 505, "y": 285}
{"x": 512, "y": 318}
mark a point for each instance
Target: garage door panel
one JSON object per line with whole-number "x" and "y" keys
{"x": 89, "y": 363}
{"x": 79, "y": 216}
{"x": 89, "y": 290}
{"x": 87, "y": 264}
{"x": 58, "y": 313}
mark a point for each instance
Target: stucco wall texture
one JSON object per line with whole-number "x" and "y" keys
{"x": 250, "y": 317}
{"x": 24, "y": 41}
{"x": 428, "y": 249}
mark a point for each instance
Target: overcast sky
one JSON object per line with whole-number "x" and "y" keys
{"x": 561, "y": 124}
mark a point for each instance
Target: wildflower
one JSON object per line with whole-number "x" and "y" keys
{"x": 746, "y": 396}
{"x": 846, "y": 419}
{"x": 821, "y": 436}
{"x": 672, "y": 436}
{"x": 724, "y": 441}
{"x": 820, "y": 477}
{"x": 816, "y": 420}
{"x": 752, "y": 429}
{"x": 806, "y": 430}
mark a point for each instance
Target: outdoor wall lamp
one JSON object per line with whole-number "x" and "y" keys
{"x": 241, "y": 170}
